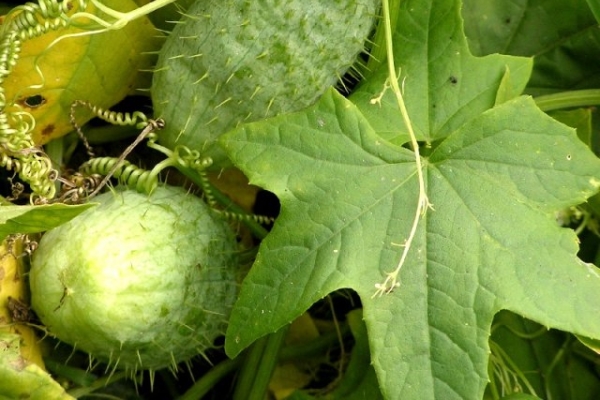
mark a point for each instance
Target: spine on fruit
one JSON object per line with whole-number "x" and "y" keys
{"x": 234, "y": 61}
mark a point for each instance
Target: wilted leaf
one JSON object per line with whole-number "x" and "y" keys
{"x": 22, "y": 379}
{"x": 101, "y": 68}
{"x": 14, "y": 290}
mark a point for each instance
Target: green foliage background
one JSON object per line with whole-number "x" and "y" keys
{"x": 497, "y": 297}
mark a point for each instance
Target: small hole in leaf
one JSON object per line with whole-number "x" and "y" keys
{"x": 568, "y": 157}
{"x": 34, "y": 101}
{"x": 453, "y": 80}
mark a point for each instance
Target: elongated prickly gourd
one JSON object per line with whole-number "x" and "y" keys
{"x": 232, "y": 61}
{"x": 140, "y": 282}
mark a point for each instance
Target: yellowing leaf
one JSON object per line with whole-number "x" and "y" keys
{"x": 13, "y": 288}
{"x": 100, "y": 68}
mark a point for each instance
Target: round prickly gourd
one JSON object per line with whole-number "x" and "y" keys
{"x": 138, "y": 281}
{"x": 101, "y": 68}
{"x": 233, "y": 61}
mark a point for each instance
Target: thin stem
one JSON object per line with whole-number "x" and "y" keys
{"x": 295, "y": 352}
{"x": 98, "y": 384}
{"x": 529, "y": 335}
{"x": 124, "y": 18}
{"x": 251, "y": 359}
{"x": 378, "y": 52}
{"x": 570, "y": 99}
{"x": 258, "y": 367}
{"x": 557, "y": 358}
{"x": 210, "y": 379}
{"x": 391, "y": 281}
{"x": 151, "y": 127}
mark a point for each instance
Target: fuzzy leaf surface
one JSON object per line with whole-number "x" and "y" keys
{"x": 495, "y": 176}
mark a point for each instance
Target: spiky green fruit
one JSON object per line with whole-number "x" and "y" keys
{"x": 233, "y": 61}
{"x": 139, "y": 281}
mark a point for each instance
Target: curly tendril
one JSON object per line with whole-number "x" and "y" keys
{"x": 18, "y": 152}
{"x": 187, "y": 161}
{"x": 137, "y": 118}
{"x": 128, "y": 174}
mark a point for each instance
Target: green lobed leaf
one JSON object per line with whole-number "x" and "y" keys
{"x": 443, "y": 84}
{"x": 562, "y": 36}
{"x": 33, "y": 219}
{"x": 495, "y": 176}
{"x": 347, "y": 202}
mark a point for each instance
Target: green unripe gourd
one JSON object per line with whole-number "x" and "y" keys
{"x": 234, "y": 61}
{"x": 140, "y": 282}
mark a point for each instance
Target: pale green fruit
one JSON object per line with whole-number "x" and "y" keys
{"x": 139, "y": 281}
{"x": 227, "y": 62}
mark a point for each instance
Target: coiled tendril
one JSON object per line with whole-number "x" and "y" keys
{"x": 128, "y": 174}
{"x": 137, "y": 118}
{"x": 187, "y": 161}
{"x": 18, "y": 152}
{"x": 25, "y": 22}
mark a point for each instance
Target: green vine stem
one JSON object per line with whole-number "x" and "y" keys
{"x": 98, "y": 384}
{"x": 303, "y": 351}
{"x": 77, "y": 376}
{"x": 192, "y": 167}
{"x": 560, "y": 354}
{"x": 392, "y": 280}
{"x": 259, "y": 363}
{"x": 570, "y": 99}
{"x": 378, "y": 51}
